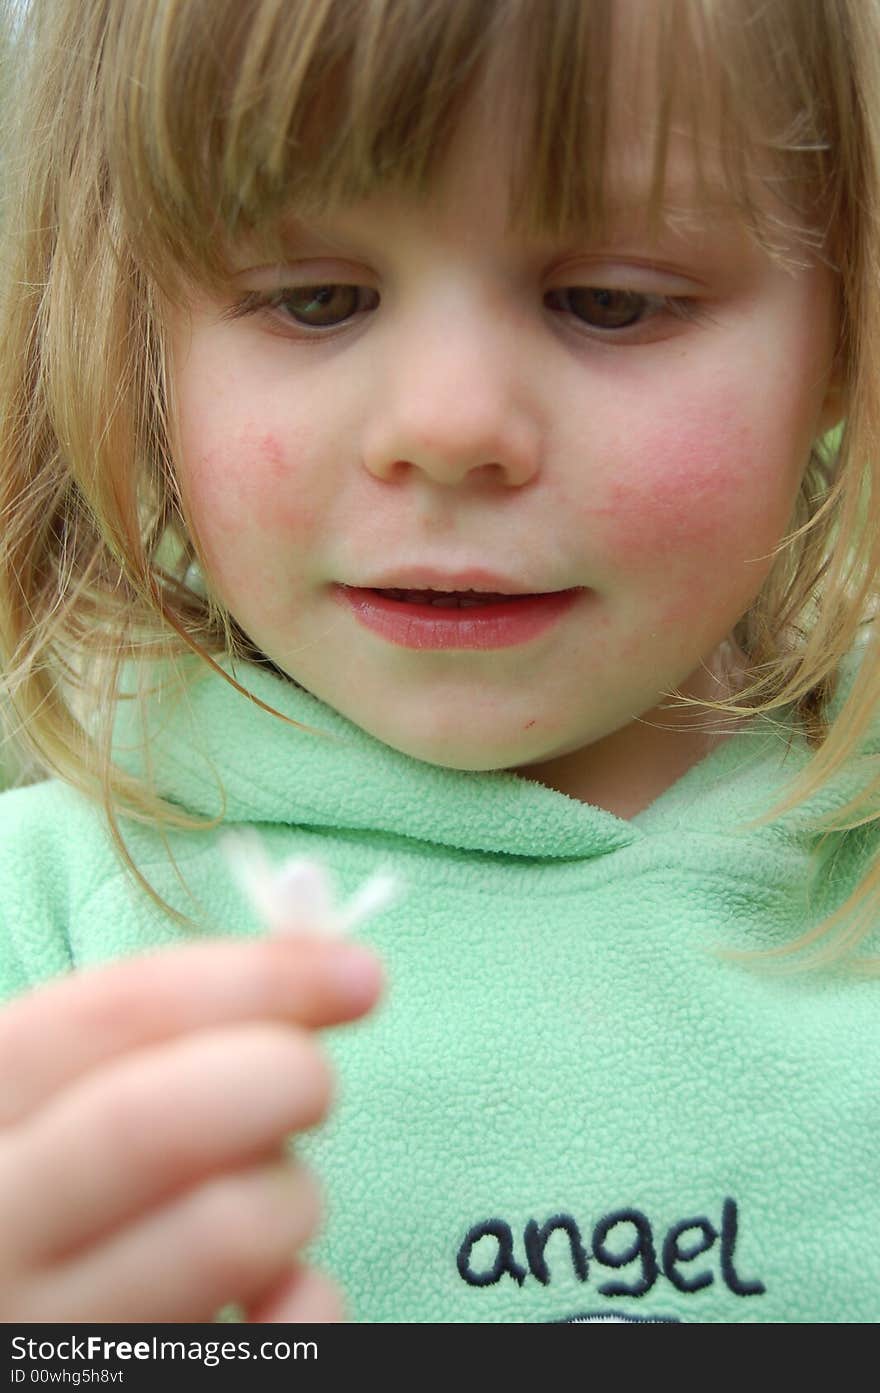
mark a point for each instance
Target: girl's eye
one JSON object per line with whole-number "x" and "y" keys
{"x": 606, "y": 309}
{"x": 309, "y": 306}
{"x": 324, "y": 306}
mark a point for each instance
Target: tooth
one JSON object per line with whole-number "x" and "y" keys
{"x": 459, "y": 599}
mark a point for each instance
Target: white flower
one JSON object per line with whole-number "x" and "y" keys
{"x": 298, "y": 895}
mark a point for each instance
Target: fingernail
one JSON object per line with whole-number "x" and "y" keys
{"x": 357, "y": 973}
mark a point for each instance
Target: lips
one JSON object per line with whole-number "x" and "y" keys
{"x": 455, "y": 619}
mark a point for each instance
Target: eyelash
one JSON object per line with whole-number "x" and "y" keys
{"x": 680, "y": 307}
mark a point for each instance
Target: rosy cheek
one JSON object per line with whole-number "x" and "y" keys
{"x": 686, "y": 496}
{"x": 682, "y": 518}
{"x": 253, "y": 487}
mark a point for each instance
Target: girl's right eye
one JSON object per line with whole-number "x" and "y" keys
{"x": 324, "y": 306}
{"x": 311, "y": 306}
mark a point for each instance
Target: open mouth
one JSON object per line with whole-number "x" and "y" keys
{"x": 462, "y": 619}
{"x": 449, "y": 599}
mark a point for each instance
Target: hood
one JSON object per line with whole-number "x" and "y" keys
{"x": 218, "y": 752}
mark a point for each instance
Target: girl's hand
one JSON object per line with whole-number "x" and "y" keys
{"x": 143, "y": 1111}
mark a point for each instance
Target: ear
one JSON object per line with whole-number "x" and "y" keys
{"x": 834, "y": 405}
{"x": 833, "y": 413}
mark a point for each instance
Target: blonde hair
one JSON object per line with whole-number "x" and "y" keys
{"x": 144, "y": 138}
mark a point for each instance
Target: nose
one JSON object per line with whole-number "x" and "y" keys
{"x": 450, "y": 405}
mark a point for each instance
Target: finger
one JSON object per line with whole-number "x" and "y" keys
{"x": 305, "y": 1297}
{"x": 226, "y": 1241}
{"x": 57, "y": 1033}
{"x": 151, "y": 1125}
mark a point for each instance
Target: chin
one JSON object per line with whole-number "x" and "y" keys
{"x": 481, "y": 752}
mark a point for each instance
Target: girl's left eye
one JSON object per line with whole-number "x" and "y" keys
{"x": 605, "y": 309}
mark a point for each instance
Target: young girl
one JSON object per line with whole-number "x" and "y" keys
{"x": 415, "y": 446}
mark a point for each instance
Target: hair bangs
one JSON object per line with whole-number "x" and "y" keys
{"x": 222, "y": 117}
{"x": 242, "y": 112}
{"x": 678, "y": 109}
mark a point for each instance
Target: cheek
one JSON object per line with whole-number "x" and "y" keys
{"x": 252, "y": 488}
{"x": 685, "y": 511}
{"x": 703, "y": 487}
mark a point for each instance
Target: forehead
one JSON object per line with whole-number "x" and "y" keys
{"x": 478, "y": 183}
{"x": 578, "y": 109}
{"x": 640, "y": 159}
{"x": 649, "y": 145}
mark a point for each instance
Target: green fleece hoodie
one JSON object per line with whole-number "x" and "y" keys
{"x": 568, "y": 1106}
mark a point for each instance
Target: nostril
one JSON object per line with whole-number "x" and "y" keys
{"x": 450, "y": 454}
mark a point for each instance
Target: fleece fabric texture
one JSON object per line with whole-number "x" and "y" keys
{"x": 568, "y": 1107}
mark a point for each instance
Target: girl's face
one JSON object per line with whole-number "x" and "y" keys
{"x": 419, "y": 398}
